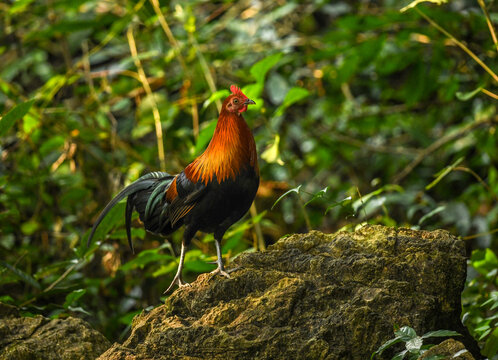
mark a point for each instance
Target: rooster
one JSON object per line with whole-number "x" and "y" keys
{"x": 209, "y": 195}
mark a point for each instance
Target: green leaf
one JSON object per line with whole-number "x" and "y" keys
{"x": 259, "y": 70}
{"x": 29, "y": 227}
{"x": 386, "y": 345}
{"x": 406, "y": 333}
{"x": 28, "y": 279}
{"x": 337, "y": 204}
{"x": 294, "y": 95}
{"x": 416, "y": 2}
{"x": 491, "y": 345}
{"x": 493, "y": 299}
{"x": 400, "y": 355}
{"x": 16, "y": 113}
{"x": 19, "y": 6}
{"x": 73, "y": 296}
{"x": 443, "y": 173}
{"x": 295, "y": 190}
{"x": 7, "y": 299}
{"x": 365, "y": 198}
{"x": 78, "y": 309}
{"x": 484, "y": 261}
{"x": 468, "y": 95}
{"x": 414, "y": 345}
{"x": 217, "y": 95}
{"x": 440, "y": 333}
{"x": 431, "y": 214}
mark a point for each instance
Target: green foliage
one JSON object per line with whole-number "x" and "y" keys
{"x": 363, "y": 114}
{"x": 13, "y": 115}
{"x": 414, "y": 344}
{"x": 480, "y": 300}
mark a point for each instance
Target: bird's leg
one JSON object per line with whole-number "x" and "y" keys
{"x": 178, "y": 277}
{"x": 221, "y": 268}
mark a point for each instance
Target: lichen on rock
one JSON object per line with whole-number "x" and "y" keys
{"x": 311, "y": 296}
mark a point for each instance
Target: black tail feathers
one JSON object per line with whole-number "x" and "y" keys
{"x": 146, "y": 195}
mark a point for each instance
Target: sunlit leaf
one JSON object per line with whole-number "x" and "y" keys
{"x": 444, "y": 172}
{"x": 414, "y": 345}
{"x": 272, "y": 154}
{"x": 16, "y": 113}
{"x": 416, "y": 2}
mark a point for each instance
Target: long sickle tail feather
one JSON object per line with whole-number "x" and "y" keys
{"x": 144, "y": 183}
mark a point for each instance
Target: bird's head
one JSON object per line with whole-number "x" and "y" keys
{"x": 237, "y": 102}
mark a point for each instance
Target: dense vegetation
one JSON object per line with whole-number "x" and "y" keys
{"x": 365, "y": 114}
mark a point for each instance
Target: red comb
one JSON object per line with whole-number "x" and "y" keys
{"x": 236, "y": 91}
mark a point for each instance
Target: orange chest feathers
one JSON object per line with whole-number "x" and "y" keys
{"x": 231, "y": 149}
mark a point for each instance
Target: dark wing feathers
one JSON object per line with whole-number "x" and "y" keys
{"x": 188, "y": 195}
{"x": 147, "y": 196}
{"x": 137, "y": 198}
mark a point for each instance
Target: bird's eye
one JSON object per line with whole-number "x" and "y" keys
{"x": 235, "y": 101}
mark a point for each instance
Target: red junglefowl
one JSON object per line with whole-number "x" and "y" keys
{"x": 211, "y": 194}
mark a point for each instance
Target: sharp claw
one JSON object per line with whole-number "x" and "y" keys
{"x": 176, "y": 280}
{"x": 221, "y": 272}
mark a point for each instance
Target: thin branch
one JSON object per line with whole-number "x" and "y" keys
{"x": 459, "y": 44}
{"x": 489, "y": 93}
{"x": 146, "y": 86}
{"x": 440, "y": 142}
{"x": 488, "y": 20}
{"x": 169, "y": 33}
{"x": 195, "y": 118}
{"x": 478, "y": 178}
{"x": 480, "y": 234}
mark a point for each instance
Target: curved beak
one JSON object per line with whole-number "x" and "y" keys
{"x": 249, "y": 102}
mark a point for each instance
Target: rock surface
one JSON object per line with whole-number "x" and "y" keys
{"x": 450, "y": 349}
{"x": 39, "y": 338}
{"x": 311, "y": 296}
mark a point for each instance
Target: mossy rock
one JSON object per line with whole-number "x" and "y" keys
{"x": 311, "y": 296}
{"x": 39, "y": 338}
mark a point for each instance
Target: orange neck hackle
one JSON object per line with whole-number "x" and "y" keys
{"x": 231, "y": 149}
